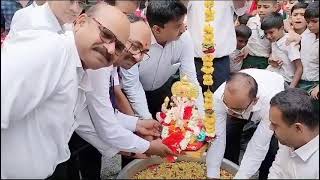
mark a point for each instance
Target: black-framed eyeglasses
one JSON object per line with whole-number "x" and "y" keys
{"x": 237, "y": 112}
{"x": 107, "y": 36}
{"x": 136, "y": 48}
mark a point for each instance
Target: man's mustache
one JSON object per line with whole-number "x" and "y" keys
{"x": 104, "y": 52}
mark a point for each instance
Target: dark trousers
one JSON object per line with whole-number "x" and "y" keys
{"x": 156, "y": 98}
{"x": 235, "y": 134}
{"x": 221, "y": 72}
{"x": 84, "y": 158}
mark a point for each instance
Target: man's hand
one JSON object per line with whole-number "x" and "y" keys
{"x": 159, "y": 149}
{"x": 293, "y": 37}
{"x": 148, "y": 128}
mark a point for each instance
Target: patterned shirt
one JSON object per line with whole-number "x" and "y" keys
{"x": 8, "y": 8}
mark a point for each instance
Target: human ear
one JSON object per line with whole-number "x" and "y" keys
{"x": 156, "y": 29}
{"x": 80, "y": 21}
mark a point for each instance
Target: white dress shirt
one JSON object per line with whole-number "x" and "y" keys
{"x": 38, "y": 121}
{"x": 302, "y": 163}
{"x": 310, "y": 56}
{"x": 225, "y": 36}
{"x": 108, "y": 123}
{"x": 153, "y": 73}
{"x": 288, "y": 54}
{"x": 269, "y": 84}
{"x": 258, "y": 44}
{"x": 38, "y": 96}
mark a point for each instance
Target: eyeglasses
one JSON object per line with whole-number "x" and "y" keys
{"x": 237, "y": 112}
{"x": 135, "y": 49}
{"x": 107, "y": 36}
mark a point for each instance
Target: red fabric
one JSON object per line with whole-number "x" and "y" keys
{"x": 187, "y": 113}
{"x": 253, "y": 7}
{"x": 173, "y": 142}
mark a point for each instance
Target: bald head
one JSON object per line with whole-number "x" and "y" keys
{"x": 242, "y": 83}
{"x": 112, "y": 18}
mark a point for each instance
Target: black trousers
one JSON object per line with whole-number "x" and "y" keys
{"x": 235, "y": 134}
{"x": 84, "y": 158}
{"x": 220, "y": 75}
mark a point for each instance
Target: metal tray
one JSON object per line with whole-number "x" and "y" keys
{"x": 140, "y": 164}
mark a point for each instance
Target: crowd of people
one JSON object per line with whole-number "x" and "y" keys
{"x": 79, "y": 82}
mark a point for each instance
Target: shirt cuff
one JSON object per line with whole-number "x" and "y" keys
{"x": 128, "y": 122}
{"x": 142, "y": 145}
{"x": 213, "y": 173}
{"x": 240, "y": 176}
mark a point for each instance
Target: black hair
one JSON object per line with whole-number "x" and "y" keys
{"x": 312, "y": 10}
{"x": 234, "y": 76}
{"x": 161, "y": 12}
{"x": 273, "y": 20}
{"x": 296, "y": 106}
{"x": 243, "y": 31}
{"x": 134, "y": 18}
{"x": 244, "y": 19}
{"x": 274, "y": 2}
{"x": 299, "y": 5}
{"x": 113, "y": 2}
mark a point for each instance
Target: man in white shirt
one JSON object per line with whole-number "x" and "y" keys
{"x": 244, "y": 97}
{"x": 225, "y": 36}
{"x": 171, "y": 50}
{"x": 36, "y": 124}
{"x": 296, "y": 125}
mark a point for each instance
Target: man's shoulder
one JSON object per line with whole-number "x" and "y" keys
{"x": 38, "y": 43}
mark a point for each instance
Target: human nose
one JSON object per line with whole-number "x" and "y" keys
{"x": 111, "y": 47}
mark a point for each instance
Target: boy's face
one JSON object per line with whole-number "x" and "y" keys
{"x": 266, "y": 7}
{"x": 288, "y": 5}
{"x": 313, "y": 25}
{"x": 274, "y": 34}
{"x": 298, "y": 20}
{"x": 241, "y": 42}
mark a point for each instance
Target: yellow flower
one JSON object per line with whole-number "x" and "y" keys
{"x": 208, "y": 64}
{"x": 207, "y": 70}
{"x": 208, "y": 82}
{"x": 208, "y": 58}
{"x": 208, "y": 29}
{"x": 209, "y": 4}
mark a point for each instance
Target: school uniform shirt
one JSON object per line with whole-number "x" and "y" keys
{"x": 269, "y": 84}
{"x": 153, "y": 73}
{"x": 310, "y": 56}
{"x": 288, "y": 54}
{"x": 225, "y": 36}
{"x": 302, "y": 163}
{"x": 113, "y": 127}
{"x": 258, "y": 44}
{"x": 235, "y": 66}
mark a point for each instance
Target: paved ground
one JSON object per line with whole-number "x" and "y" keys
{"x": 110, "y": 167}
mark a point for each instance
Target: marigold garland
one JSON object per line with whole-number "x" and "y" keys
{"x": 208, "y": 69}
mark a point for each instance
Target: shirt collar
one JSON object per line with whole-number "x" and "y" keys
{"x": 153, "y": 39}
{"x": 281, "y": 40}
{"x": 46, "y": 19}
{"x": 306, "y": 151}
